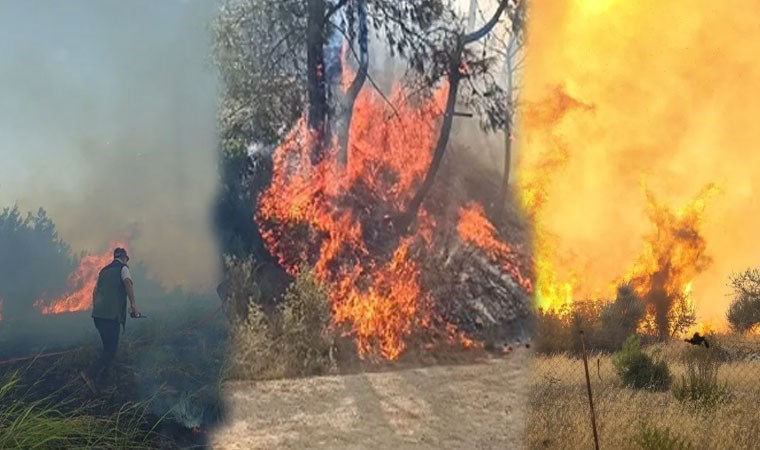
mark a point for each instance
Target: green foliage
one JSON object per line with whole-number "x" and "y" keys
{"x": 33, "y": 260}
{"x": 294, "y": 340}
{"x": 700, "y": 385}
{"x": 42, "y": 423}
{"x": 744, "y": 312}
{"x": 638, "y": 370}
{"x": 660, "y": 438}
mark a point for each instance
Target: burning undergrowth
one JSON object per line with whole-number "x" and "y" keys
{"x": 449, "y": 277}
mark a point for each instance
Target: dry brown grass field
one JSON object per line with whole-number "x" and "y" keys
{"x": 478, "y": 406}
{"x": 559, "y": 414}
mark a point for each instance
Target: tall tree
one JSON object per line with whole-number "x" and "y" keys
{"x": 461, "y": 66}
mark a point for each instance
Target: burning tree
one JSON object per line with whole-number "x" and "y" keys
{"x": 400, "y": 259}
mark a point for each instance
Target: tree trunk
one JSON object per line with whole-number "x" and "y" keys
{"x": 315, "y": 60}
{"x": 356, "y": 85}
{"x": 507, "y": 161}
{"x": 443, "y": 139}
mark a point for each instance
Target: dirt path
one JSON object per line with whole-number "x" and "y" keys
{"x": 446, "y": 407}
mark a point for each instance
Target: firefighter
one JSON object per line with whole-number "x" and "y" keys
{"x": 109, "y": 311}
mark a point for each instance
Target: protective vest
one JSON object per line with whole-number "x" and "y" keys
{"x": 110, "y": 300}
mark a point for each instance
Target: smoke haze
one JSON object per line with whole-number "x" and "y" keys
{"x": 107, "y": 121}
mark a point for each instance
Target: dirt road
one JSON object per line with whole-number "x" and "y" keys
{"x": 478, "y": 406}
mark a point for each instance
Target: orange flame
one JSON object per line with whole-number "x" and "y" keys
{"x": 661, "y": 115}
{"x": 81, "y": 284}
{"x": 340, "y": 221}
{"x": 474, "y": 228}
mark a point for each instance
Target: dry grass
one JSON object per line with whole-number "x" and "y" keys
{"x": 295, "y": 340}
{"x": 559, "y": 410}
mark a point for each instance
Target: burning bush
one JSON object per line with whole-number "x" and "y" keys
{"x": 744, "y": 312}
{"x": 293, "y": 340}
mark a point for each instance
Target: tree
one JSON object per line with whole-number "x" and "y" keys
{"x": 33, "y": 261}
{"x": 461, "y": 65}
{"x": 273, "y": 63}
{"x": 744, "y": 312}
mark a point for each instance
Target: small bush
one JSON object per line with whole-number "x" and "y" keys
{"x": 638, "y": 370}
{"x": 700, "y": 384}
{"x": 293, "y": 341}
{"x": 656, "y": 438}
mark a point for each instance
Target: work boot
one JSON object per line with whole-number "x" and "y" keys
{"x": 88, "y": 381}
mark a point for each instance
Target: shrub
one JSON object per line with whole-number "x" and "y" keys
{"x": 294, "y": 340}
{"x": 552, "y": 333}
{"x": 639, "y": 370}
{"x": 620, "y": 318}
{"x": 700, "y": 384}
{"x": 656, "y": 438}
{"x": 681, "y": 315}
{"x": 744, "y": 312}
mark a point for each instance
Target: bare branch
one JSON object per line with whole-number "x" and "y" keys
{"x": 485, "y": 29}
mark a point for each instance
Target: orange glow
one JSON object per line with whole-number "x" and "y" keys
{"x": 616, "y": 98}
{"x": 81, "y": 284}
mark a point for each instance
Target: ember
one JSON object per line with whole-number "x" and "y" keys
{"x": 81, "y": 283}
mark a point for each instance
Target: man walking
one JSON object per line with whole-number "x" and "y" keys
{"x": 109, "y": 310}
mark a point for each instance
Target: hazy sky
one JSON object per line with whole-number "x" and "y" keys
{"x": 108, "y": 121}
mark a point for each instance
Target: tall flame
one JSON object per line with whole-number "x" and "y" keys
{"x": 671, "y": 88}
{"x": 81, "y": 284}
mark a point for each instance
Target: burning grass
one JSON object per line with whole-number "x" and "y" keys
{"x": 559, "y": 415}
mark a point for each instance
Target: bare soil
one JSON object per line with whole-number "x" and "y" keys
{"x": 475, "y": 406}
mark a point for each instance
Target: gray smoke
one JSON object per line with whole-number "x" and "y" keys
{"x": 107, "y": 121}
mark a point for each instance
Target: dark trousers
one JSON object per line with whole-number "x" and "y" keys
{"x": 109, "y": 334}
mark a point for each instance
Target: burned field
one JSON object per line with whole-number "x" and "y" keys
{"x": 163, "y": 391}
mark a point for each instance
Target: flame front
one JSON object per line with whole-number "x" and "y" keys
{"x": 80, "y": 285}
{"x": 620, "y": 94}
{"x": 342, "y": 221}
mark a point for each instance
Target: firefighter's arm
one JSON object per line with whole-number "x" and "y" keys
{"x": 130, "y": 294}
